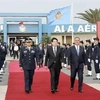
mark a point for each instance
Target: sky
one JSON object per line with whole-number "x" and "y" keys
{"x": 45, "y": 6}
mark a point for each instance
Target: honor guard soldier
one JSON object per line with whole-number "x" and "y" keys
{"x": 89, "y": 57}
{"x": 0, "y": 59}
{"x": 96, "y": 58}
{"x": 3, "y": 54}
{"x": 27, "y": 59}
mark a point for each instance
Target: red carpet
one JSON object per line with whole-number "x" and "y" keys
{"x": 41, "y": 88}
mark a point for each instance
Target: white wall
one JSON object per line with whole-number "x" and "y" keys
{"x": 44, "y": 20}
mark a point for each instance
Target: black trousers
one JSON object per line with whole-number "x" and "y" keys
{"x": 96, "y": 66}
{"x": 11, "y": 53}
{"x": 55, "y": 72}
{"x": 2, "y": 62}
{"x": 74, "y": 71}
{"x": 89, "y": 66}
{"x": 0, "y": 65}
{"x": 28, "y": 78}
{"x": 40, "y": 61}
{"x": 15, "y": 54}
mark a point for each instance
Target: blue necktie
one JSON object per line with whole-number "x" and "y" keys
{"x": 77, "y": 51}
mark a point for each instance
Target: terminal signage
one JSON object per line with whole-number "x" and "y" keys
{"x": 75, "y": 28}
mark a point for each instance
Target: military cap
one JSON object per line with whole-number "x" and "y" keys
{"x": 88, "y": 41}
{"x": 82, "y": 42}
{"x": 64, "y": 44}
{"x": 28, "y": 40}
{"x": 96, "y": 38}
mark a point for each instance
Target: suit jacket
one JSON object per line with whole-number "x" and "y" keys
{"x": 51, "y": 59}
{"x": 73, "y": 59}
{"x": 40, "y": 52}
{"x": 27, "y": 58}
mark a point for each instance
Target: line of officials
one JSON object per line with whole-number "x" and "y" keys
{"x": 54, "y": 59}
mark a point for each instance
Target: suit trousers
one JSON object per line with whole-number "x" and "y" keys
{"x": 28, "y": 78}
{"x": 55, "y": 72}
{"x": 74, "y": 71}
{"x": 15, "y": 54}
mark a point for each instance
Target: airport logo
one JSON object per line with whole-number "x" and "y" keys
{"x": 22, "y": 28}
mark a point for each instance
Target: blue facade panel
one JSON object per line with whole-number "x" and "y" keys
{"x": 34, "y": 28}
{"x": 77, "y": 28}
{"x": 30, "y": 28}
{"x": 45, "y": 28}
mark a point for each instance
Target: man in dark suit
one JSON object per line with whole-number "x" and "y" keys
{"x": 27, "y": 63}
{"x": 41, "y": 52}
{"x": 53, "y": 60}
{"x": 76, "y": 61}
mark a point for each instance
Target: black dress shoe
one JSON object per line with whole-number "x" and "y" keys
{"x": 96, "y": 78}
{"x": 53, "y": 91}
{"x": 81, "y": 91}
{"x": 30, "y": 91}
{"x": 27, "y": 91}
{"x": 88, "y": 75}
{"x": 71, "y": 88}
{"x": 56, "y": 90}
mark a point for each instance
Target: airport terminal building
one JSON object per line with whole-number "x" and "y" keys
{"x": 17, "y": 26}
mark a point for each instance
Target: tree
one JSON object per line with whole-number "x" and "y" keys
{"x": 91, "y": 16}
{"x": 46, "y": 39}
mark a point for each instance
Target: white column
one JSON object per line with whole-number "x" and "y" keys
{"x": 65, "y": 39}
{"x": 36, "y": 39}
{"x": 8, "y": 40}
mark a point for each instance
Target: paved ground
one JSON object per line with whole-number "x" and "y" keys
{"x": 4, "y": 79}
{"x": 87, "y": 80}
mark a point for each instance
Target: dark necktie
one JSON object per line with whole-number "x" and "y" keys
{"x": 55, "y": 51}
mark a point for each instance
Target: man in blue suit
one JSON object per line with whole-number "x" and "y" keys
{"x": 28, "y": 55}
{"x": 76, "y": 62}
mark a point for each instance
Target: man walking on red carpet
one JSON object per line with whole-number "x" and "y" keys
{"x": 53, "y": 59}
{"x": 76, "y": 61}
{"x": 27, "y": 63}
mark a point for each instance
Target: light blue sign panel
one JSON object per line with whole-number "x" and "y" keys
{"x": 76, "y": 28}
